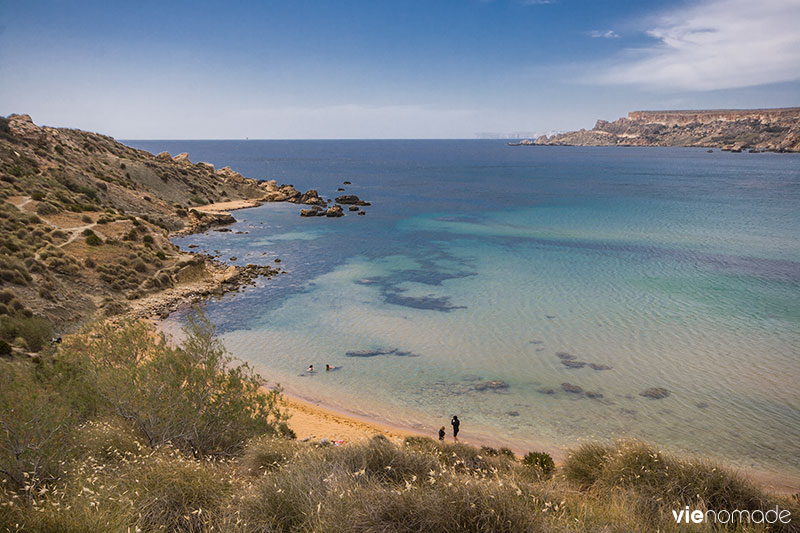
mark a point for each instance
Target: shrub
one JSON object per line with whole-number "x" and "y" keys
{"x": 585, "y": 465}
{"x": 37, "y": 331}
{"x": 198, "y": 200}
{"x": 87, "y": 219}
{"x": 264, "y": 454}
{"x": 147, "y": 239}
{"x": 46, "y": 208}
{"x": 541, "y": 461}
{"x": 36, "y": 424}
{"x": 5, "y": 348}
{"x": 93, "y": 240}
{"x": 193, "y": 396}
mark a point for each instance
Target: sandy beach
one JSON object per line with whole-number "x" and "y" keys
{"x": 314, "y": 421}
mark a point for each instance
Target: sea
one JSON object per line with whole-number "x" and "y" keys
{"x": 547, "y": 295}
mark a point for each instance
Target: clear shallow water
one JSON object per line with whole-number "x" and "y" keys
{"x": 477, "y": 261}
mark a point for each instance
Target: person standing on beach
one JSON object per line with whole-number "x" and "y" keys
{"x": 441, "y": 433}
{"x": 456, "y": 423}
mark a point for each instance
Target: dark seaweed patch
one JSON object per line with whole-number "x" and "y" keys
{"x": 375, "y": 353}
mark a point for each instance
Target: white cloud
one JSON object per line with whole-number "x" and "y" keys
{"x": 718, "y": 44}
{"x": 604, "y": 34}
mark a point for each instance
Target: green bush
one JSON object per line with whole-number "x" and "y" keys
{"x": 193, "y": 396}
{"x": 541, "y": 461}
{"x": 93, "y": 240}
{"x": 5, "y": 348}
{"x": 36, "y": 437}
{"x": 37, "y": 331}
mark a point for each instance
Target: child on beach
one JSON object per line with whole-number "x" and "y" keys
{"x": 441, "y": 433}
{"x": 310, "y": 368}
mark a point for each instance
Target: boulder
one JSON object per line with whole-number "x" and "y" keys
{"x": 353, "y": 208}
{"x": 207, "y": 166}
{"x": 164, "y": 155}
{"x": 308, "y": 212}
{"x": 291, "y": 194}
{"x": 183, "y": 156}
{"x": 335, "y": 211}
{"x": 350, "y": 199}
{"x": 310, "y": 197}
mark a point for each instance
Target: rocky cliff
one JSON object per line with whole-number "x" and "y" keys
{"x": 775, "y": 130}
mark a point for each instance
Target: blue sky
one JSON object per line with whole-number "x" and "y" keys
{"x": 387, "y": 69}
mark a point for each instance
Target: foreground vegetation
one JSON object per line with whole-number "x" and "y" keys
{"x": 118, "y": 431}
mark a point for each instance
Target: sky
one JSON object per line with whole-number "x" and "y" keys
{"x": 297, "y": 69}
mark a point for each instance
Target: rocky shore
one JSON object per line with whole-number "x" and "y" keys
{"x": 87, "y": 222}
{"x": 735, "y": 130}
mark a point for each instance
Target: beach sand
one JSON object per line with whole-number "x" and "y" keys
{"x": 313, "y": 421}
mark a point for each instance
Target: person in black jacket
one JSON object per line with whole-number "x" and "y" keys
{"x": 456, "y": 423}
{"x": 441, "y": 433}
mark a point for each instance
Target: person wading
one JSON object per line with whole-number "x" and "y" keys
{"x": 456, "y": 423}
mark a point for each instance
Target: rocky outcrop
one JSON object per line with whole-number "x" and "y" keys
{"x": 334, "y": 212}
{"x": 350, "y": 199}
{"x": 756, "y": 130}
{"x": 311, "y": 197}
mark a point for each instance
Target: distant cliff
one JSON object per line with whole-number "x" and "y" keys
{"x": 775, "y": 130}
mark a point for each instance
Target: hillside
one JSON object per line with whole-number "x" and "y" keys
{"x": 773, "y": 130}
{"x": 86, "y": 224}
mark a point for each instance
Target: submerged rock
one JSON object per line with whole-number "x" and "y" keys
{"x": 594, "y": 395}
{"x": 595, "y": 366}
{"x": 564, "y": 356}
{"x": 375, "y": 353}
{"x": 546, "y": 390}
{"x": 655, "y": 393}
{"x": 569, "y": 387}
{"x": 353, "y": 208}
{"x": 569, "y": 363}
{"x": 494, "y": 384}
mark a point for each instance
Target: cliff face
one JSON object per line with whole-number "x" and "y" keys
{"x": 776, "y": 130}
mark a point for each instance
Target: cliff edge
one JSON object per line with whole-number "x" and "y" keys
{"x": 757, "y": 130}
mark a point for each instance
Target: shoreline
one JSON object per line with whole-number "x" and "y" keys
{"x": 313, "y": 420}
{"x": 310, "y": 418}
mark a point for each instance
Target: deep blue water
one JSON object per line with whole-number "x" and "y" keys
{"x": 477, "y": 261}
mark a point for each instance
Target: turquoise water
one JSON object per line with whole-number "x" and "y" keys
{"x": 478, "y": 263}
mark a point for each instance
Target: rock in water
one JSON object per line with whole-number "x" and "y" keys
{"x": 569, "y": 387}
{"x": 495, "y": 384}
{"x": 655, "y": 393}
{"x": 310, "y": 197}
{"x": 335, "y": 211}
{"x": 350, "y": 199}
